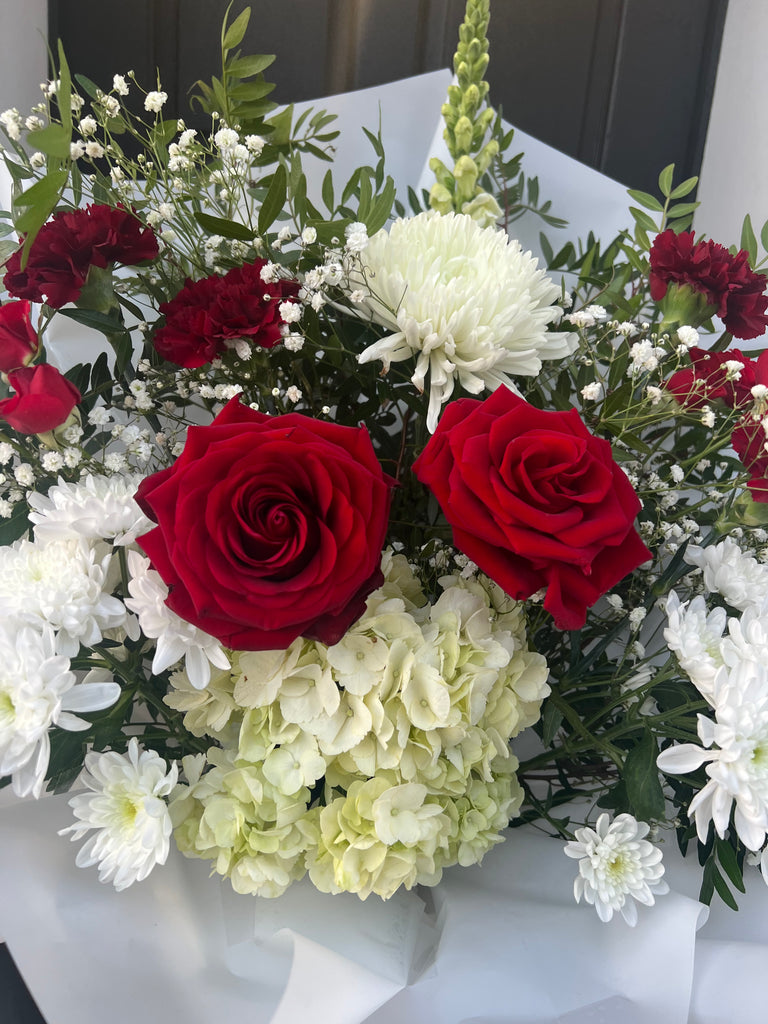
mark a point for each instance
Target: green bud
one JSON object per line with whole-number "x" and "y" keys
{"x": 463, "y": 133}
{"x": 470, "y": 101}
{"x": 441, "y": 172}
{"x": 487, "y": 155}
{"x": 465, "y": 173}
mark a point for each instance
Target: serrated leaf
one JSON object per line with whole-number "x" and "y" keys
{"x": 645, "y": 199}
{"x": 684, "y": 188}
{"x": 53, "y": 140}
{"x": 641, "y": 777}
{"x": 274, "y": 201}
{"x": 748, "y": 240}
{"x": 226, "y": 228}
{"x": 234, "y": 34}
{"x": 665, "y": 179}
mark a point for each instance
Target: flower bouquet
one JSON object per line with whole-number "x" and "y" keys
{"x": 354, "y": 495}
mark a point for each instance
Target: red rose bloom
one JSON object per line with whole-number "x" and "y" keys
{"x": 707, "y": 379}
{"x": 18, "y": 338}
{"x": 43, "y": 400}
{"x": 727, "y": 283}
{"x": 70, "y": 244}
{"x": 269, "y": 527}
{"x": 535, "y": 500}
{"x": 207, "y": 313}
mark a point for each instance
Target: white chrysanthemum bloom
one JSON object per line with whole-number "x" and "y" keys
{"x": 735, "y": 751}
{"x": 695, "y": 636}
{"x": 60, "y": 583}
{"x": 176, "y": 639}
{"x": 741, "y": 579}
{"x": 98, "y": 507}
{"x": 617, "y": 865}
{"x": 38, "y": 691}
{"x": 466, "y": 301}
{"x": 127, "y": 809}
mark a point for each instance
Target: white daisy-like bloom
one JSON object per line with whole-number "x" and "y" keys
{"x": 128, "y": 812}
{"x": 61, "y": 583}
{"x": 735, "y": 752}
{"x": 617, "y": 866}
{"x": 96, "y": 508}
{"x": 739, "y": 578}
{"x": 695, "y": 636}
{"x": 176, "y": 639}
{"x": 466, "y": 301}
{"x": 37, "y": 691}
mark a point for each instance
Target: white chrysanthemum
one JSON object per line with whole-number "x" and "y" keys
{"x": 735, "y": 751}
{"x": 695, "y": 636}
{"x": 176, "y": 639}
{"x": 98, "y": 507}
{"x": 466, "y": 301}
{"x": 38, "y": 691}
{"x": 741, "y": 579}
{"x": 60, "y": 583}
{"x": 127, "y": 809}
{"x": 617, "y": 865}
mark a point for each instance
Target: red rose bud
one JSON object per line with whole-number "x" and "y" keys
{"x": 708, "y": 378}
{"x": 43, "y": 401}
{"x": 269, "y": 527}
{"x": 70, "y": 244}
{"x": 18, "y": 338}
{"x": 692, "y": 282}
{"x": 535, "y": 500}
{"x": 207, "y": 313}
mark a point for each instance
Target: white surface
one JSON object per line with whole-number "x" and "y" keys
{"x": 504, "y": 944}
{"x": 733, "y": 180}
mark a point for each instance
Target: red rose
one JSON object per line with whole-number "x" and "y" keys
{"x": 43, "y": 400}
{"x": 707, "y": 379}
{"x": 70, "y": 244}
{"x": 207, "y": 313}
{"x": 727, "y": 284}
{"x": 18, "y": 338}
{"x": 269, "y": 527}
{"x": 535, "y": 500}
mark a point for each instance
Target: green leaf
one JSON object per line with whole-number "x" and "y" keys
{"x": 17, "y": 171}
{"x": 53, "y": 140}
{"x": 64, "y": 92}
{"x": 244, "y": 67}
{"x": 551, "y": 720}
{"x": 382, "y": 208}
{"x": 729, "y": 863}
{"x": 43, "y": 191}
{"x": 7, "y": 249}
{"x": 764, "y": 236}
{"x": 234, "y": 34}
{"x": 227, "y": 228}
{"x": 645, "y": 199}
{"x": 280, "y": 126}
{"x": 684, "y": 188}
{"x": 642, "y": 779}
{"x": 665, "y": 179}
{"x": 274, "y": 201}
{"x": 15, "y": 527}
{"x": 681, "y": 210}
{"x": 707, "y": 883}
{"x": 748, "y": 240}
{"x": 89, "y": 87}
{"x": 723, "y": 891}
{"x": 643, "y": 220}
{"x": 327, "y": 190}
{"x": 111, "y": 327}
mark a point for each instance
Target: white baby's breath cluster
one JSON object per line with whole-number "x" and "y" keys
{"x": 403, "y": 727}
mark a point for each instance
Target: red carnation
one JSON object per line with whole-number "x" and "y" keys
{"x": 70, "y": 244}
{"x": 724, "y": 284}
{"x": 207, "y": 313}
